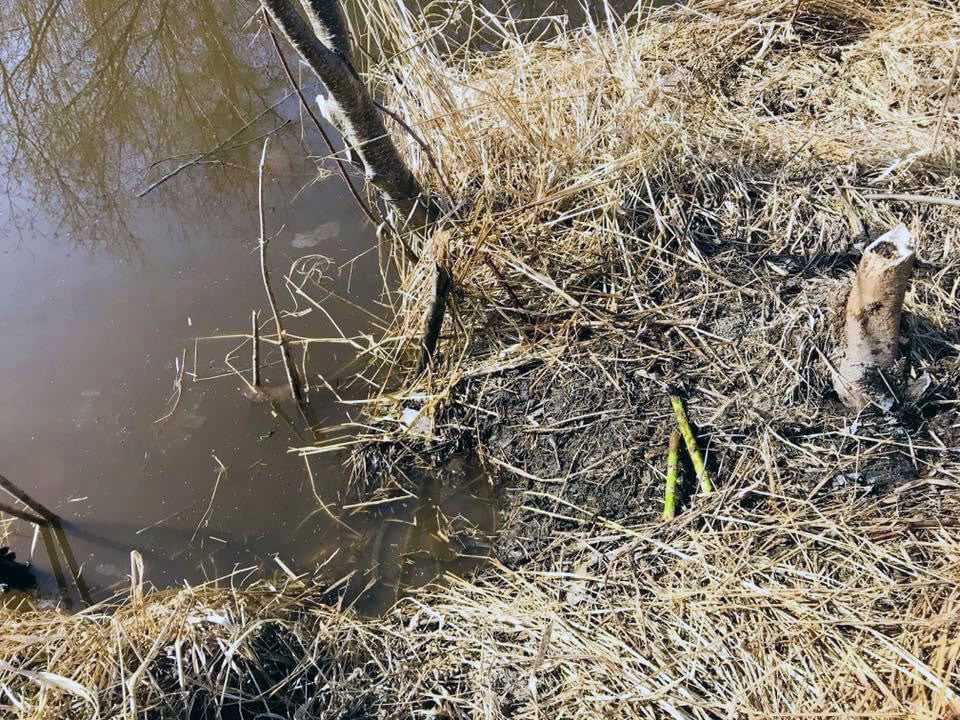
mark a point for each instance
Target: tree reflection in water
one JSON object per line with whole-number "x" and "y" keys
{"x": 102, "y": 97}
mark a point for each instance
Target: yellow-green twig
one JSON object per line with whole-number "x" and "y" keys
{"x": 706, "y": 486}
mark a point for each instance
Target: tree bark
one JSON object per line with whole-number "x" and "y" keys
{"x": 326, "y": 49}
{"x": 440, "y": 290}
{"x": 874, "y": 306}
{"x": 350, "y": 108}
{"x": 330, "y": 25}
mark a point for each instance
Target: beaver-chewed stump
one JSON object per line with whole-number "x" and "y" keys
{"x": 872, "y": 326}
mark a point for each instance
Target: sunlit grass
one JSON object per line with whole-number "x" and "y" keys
{"x": 674, "y": 204}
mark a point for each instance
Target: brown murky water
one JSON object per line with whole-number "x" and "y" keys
{"x": 113, "y": 286}
{"x": 103, "y": 295}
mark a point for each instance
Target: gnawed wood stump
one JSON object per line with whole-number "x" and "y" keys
{"x": 872, "y": 326}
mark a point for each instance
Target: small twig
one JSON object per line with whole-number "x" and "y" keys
{"x": 205, "y": 518}
{"x": 31, "y": 504}
{"x": 265, "y": 274}
{"x": 907, "y": 197}
{"x": 706, "y": 486}
{"x": 498, "y": 274}
{"x": 542, "y": 649}
{"x": 320, "y": 502}
{"x": 255, "y": 352}
{"x": 670, "y": 492}
{"x": 202, "y": 156}
{"x": 177, "y": 387}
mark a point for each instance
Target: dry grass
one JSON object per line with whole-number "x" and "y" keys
{"x": 674, "y": 205}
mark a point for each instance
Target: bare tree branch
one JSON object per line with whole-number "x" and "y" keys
{"x": 352, "y": 109}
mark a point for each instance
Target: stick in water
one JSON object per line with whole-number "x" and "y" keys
{"x": 265, "y": 274}
{"x": 50, "y": 545}
{"x": 255, "y": 359}
{"x": 706, "y": 486}
{"x": 34, "y": 506}
{"x": 54, "y": 537}
{"x": 670, "y": 493}
{"x": 21, "y": 514}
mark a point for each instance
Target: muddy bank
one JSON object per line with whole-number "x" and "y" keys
{"x": 709, "y": 258}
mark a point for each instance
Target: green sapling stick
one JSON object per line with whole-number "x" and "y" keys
{"x": 706, "y": 486}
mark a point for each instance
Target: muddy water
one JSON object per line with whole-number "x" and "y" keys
{"x": 107, "y": 298}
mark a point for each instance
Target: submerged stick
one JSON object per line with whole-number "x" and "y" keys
{"x": 60, "y": 536}
{"x": 181, "y": 364}
{"x": 874, "y": 306}
{"x": 670, "y": 492}
{"x": 706, "y": 486}
{"x": 31, "y": 504}
{"x": 50, "y": 545}
{"x": 255, "y": 352}
{"x": 54, "y": 537}
{"x": 22, "y": 515}
{"x": 265, "y": 274}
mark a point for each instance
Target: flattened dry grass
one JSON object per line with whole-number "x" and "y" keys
{"x": 817, "y": 611}
{"x": 636, "y": 208}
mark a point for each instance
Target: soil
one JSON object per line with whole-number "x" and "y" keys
{"x": 572, "y": 442}
{"x": 578, "y": 441}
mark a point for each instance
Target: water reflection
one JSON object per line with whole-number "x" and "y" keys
{"x": 101, "y": 95}
{"x": 102, "y": 98}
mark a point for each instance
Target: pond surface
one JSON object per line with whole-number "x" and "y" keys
{"x": 107, "y": 298}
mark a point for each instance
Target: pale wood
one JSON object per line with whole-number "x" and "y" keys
{"x": 874, "y": 306}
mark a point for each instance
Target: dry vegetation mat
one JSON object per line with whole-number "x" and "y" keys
{"x": 636, "y": 209}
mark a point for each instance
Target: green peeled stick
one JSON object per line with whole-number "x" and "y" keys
{"x": 706, "y": 486}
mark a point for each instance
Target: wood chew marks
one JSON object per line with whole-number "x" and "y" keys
{"x": 872, "y": 326}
